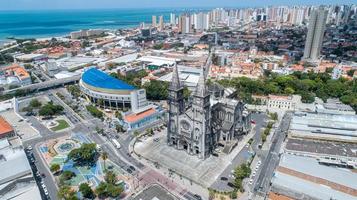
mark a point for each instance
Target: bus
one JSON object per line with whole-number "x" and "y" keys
{"x": 116, "y": 143}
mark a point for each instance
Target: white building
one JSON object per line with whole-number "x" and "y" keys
{"x": 16, "y": 178}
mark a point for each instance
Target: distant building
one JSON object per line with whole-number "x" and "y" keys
{"x": 185, "y": 24}
{"x": 154, "y": 21}
{"x": 86, "y": 33}
{"x": 315, "y": 34}
{"x": 173, "y": 19}
{"x": 161, "y": 23}
{"x": 146, "y": 32}
{"x": 30, "y": 57}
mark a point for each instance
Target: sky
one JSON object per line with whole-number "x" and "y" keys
{"x": 99, "y": 4}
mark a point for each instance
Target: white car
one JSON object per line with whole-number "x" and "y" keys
{"x": 250, "y": 181}
{"x": 253, "y": 174}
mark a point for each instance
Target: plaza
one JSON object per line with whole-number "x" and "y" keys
{"x": 56, "y": 151}
{"x": 202, "y": 172}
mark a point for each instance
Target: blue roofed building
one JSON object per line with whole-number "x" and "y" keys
{"x": 111, "y": 93}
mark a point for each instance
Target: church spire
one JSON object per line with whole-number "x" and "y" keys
{"x": 175, "y": 82}
{"x": 201, "y": 89}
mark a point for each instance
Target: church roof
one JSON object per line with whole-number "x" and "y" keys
{"x": 175, "y": 82}
{"x": 201, "y": 89}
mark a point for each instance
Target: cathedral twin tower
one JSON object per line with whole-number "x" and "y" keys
{"x": 189, "y": 128}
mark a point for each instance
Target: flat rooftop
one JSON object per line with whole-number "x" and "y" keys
{"x": 100, "y": 79}
{"x": 301, "y": 174}
{"x": 324, "y": 124}
{"x": 322, "y": 147}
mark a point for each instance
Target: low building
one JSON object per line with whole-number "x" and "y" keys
{"x": 109, "y": 92}
{"x": 6, "y": 129}
{"x": 322, "y": 126}
{"x": 14, "y": 75}
{"x": 278, "y": 102}
{"x": 139, "y": 118}
{"x": 30, "y": 57}
{"x": 86, "y": 33}
{"x": 16, "y": 178}
{"x": 297, "y": 175}
{"x": 334, "y": 106}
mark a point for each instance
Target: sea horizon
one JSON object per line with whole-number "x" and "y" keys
{"x": 55, "y": 23}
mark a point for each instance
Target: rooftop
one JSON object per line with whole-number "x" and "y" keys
{"x": 99, "y": 79}
{"x": 300, "y": 174}
{"x": 13, "y": 162}
{"x": 5, "y": 127}
{"x": 138, "y": 116}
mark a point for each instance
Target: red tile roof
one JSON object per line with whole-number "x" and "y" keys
{"x": 5, "y": 127}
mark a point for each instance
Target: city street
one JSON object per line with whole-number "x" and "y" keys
{"x": 270, "y": 162}
{"x": 246, "y": 153}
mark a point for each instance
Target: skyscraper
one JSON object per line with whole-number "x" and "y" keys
{"x": 173, "y": 19}
{"x": 315, "y": 34}
{"x": 185, "y": 25}
{"x": 161, "y": 23}
{"x": 154, "y": 21}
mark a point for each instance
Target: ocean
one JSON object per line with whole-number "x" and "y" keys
{"x": 50, "y": 23}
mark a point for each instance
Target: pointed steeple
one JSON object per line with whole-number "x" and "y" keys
{"x": 175, "y": 82}
{"x": 201, "y": 89}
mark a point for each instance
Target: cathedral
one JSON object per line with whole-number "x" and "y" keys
{"x": 208, "y": 121}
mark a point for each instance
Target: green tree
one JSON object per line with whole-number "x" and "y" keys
{"x": 34, "y": 103}
{"x": 264, "y": 137}
{"x": 85, "y": 155}
{"x": 110, "y": 177}
{"x": 289, "y": 91}
{"x": 67, "y": 193}
{"x": 101, "y": 190}
{"x": 157, "y": 90}
{"x": 67, "y": 175}
{"x": 118, "y": 115}
{"x": 104, "y": 157}
{"x": 55, "y": 167}
{"x": 86, "y": 191}
{"x": 113, "y": 190}
{"x": 50, "y": 109}
{"x": 119, "y": 128}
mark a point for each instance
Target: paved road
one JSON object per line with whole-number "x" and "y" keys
{"x": 241, "y": 157}
{"x": 269, "y": 164}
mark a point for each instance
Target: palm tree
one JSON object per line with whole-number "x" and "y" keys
{"x": 104, "y": 157}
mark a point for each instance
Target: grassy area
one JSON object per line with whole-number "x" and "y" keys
{"x": 62, "y": 124}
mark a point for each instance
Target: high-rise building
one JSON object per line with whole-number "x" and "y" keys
{"x": 315, "y": 34}
{"x": 154, "y": 21}
{"x": 161, "y": 23}
{"x": 185, "y": 25}
{"x": 173, "y": 19}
